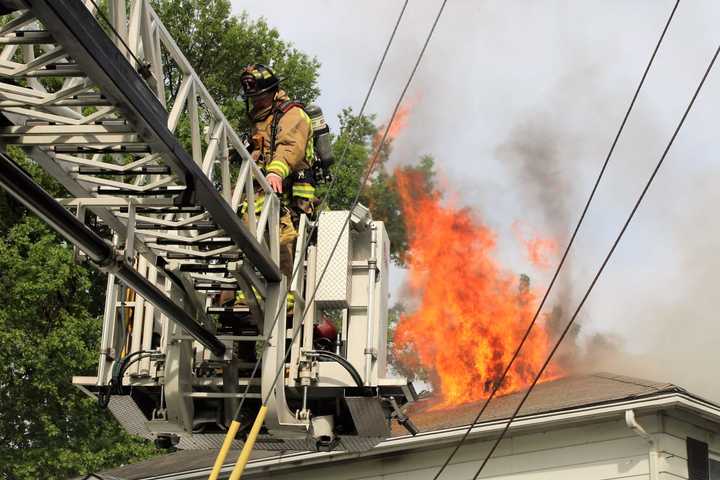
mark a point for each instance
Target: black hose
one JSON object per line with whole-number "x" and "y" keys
{"x": 343, "y": 362}
{"x": 121, "y": 373}
{"x": 119, "y": 369}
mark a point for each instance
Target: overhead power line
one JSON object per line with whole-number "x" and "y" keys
{"x": 117, "y": 34}
{"x": 605, "y": 261}
{"x": 600, "y": 175}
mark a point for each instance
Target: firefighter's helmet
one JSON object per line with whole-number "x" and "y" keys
{"x": 257, "y": 79}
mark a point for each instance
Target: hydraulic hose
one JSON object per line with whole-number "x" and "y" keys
{"x": 343, "y": 362}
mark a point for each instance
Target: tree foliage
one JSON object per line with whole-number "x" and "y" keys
{"x": 49, "y": 331}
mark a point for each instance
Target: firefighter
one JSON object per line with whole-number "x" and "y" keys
{"x": 282, "y": 144}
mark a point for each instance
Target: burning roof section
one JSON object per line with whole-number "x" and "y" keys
{"x": 562, "y": 394}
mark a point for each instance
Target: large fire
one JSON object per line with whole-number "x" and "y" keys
{"x": 471, "y": 313}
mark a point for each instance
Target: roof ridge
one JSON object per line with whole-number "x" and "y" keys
{"x": 640, "y": 382}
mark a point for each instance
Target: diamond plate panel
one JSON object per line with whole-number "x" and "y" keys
{"x": 273, "y": 444}
{"x": 368, "y": 416}
{"x": 127, "y": 413}
{"x": 207, "y": 441}
{"x": 358, "y": 444}
{"x": 334, "y": 290}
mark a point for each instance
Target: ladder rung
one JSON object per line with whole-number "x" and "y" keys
{"x": 152, "y": 170}
{"x": 242, "y": 338}
{"x": 170, "y": 190}
{"x": 211, "y": 242}
{"x": 25, "y": 37}
{"x": 217, "y": 310}
{"x": 165, "y": 210}
{"x": 230, "y": 257}
{"x": 138, "y": 149}
{"x": 205, "y": 226}
{"x": 67, "y": 70}
{"x": 60, "y": 103}
{"x": 200, "y": 285}
{"x": 111, "y": 126}
{"x": 203, "y": 267}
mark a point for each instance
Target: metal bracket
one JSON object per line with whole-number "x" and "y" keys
{"x": 401, "y": 418}
{"x": 130, "y": 234}
{"x": 78, "y": 255}
{"x": 195, "y": 303}
{"x": 243, "y": 269}
{"x": 372, "y": 352}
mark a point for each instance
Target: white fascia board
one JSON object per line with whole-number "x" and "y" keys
{"x": 437, "y": 437}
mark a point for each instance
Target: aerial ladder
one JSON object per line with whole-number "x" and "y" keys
{"x": 158, "y": 212}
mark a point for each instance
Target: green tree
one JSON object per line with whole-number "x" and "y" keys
{"x": 351, "y": 150}
{"x": 404, "y": 362}
{"x": 49, "y": 331}
{"x": 384, "y": 200}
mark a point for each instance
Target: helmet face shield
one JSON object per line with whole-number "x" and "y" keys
{"x": 249, "y": 86}
{"x": 256, "y": 80}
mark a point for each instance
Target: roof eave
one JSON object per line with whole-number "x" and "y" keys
{"x": 660, "y": 401}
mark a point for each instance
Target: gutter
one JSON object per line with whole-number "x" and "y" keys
{"x": 633, "y": 424}
{"x": 277, "y": 464}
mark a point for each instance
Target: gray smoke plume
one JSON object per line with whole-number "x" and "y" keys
{"x": 665, "y": 303}
{"x": 539, "y": 155}
{"x": 535, "y": 154}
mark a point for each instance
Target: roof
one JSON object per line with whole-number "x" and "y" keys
{"x": 553, "y": 396}
{"x": 564, "y": 393}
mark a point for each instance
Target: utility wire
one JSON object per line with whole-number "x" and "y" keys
{"x": 329, "y": 190}
{"x": 378, "y": 151}
{"x": 603, "y": 265}
{"x": 141, "y": 65}
{"x": 499, "y": 382}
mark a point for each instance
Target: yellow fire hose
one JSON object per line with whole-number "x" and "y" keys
{"x": 227, "y": 443}
{"x": 246, "y": 450}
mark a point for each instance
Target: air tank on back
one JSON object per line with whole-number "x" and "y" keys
{"x": 323, "y": 147}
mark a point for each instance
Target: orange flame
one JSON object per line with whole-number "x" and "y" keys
{"x": 399, "y": 123}
{"x": 538, "y": 250}
{"x": 397, "y": 126}
{"x": 471, "y": 313}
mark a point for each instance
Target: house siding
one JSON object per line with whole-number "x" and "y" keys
{"x": 603, "y": 450}
{"x": 606, "y": 450}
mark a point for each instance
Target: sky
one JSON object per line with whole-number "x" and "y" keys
{"x": 519, "y": 102}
